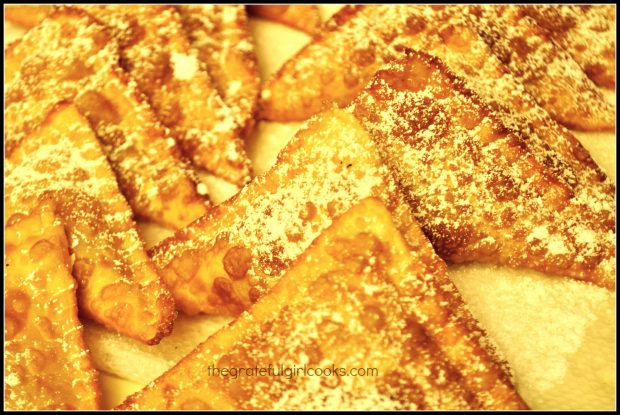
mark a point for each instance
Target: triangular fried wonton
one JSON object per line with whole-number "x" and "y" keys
{"x": 62, "y": 162}
{"x": 157, "y": 53}
{"x": 69, "y": 56}
{"x": 336, "y": 65}
{"x": 46, "y": 363}
{"x": 481, "y": 191}
{"x": 449, "y": 37}
{"x": 221, "y": 263}
{"x": 358, "y": 299}
{"x": 221, "y": 35}
{"x": 547, "y": 71}
{"x": 225, "y": 261}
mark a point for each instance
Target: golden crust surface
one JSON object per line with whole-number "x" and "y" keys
{"x": 449, "y": 37}
{"x": 547, "y": 71}
{"x": 157, "y": 53}
{"x": 480, "y": 191}
{"x": 222, "y": 262}
{"x": 26, "y": 15}
{"x": 71, "y": 57}
{"x": 46, "y": 363}
{"x": 357, "y": 295}
{"x": 338, "y": 63}
{"x": 306, "y": 18}
{"x": 118, "y": 286}
{"x": 221, "y": 35}
{"x": 226, "y": 260}
{"x": 588, "y": 33}
{"x": 332, "y": 68}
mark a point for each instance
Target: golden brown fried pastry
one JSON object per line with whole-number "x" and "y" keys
{"x": 588, "y": 33}
{"x": 219, "y": 33}
{"x": 156, "y": 52}
{"x": 547, "y": 71}
{"x": 303, "y": 17}
{"x": 222, "y": 38}
{"x": 71, "y": 57}
{"x": 46, "y": 363}
{"x": 337, "y": 64}
{"x": 480, "y": 191}
{"x": 332, "y": 68}
{"x": 221, "y": 263}
{"x": 449, "y": 37}
{"x": 26, "y": 15}
{"x": 62, "y": 162}
{"x": 358, "y": 296}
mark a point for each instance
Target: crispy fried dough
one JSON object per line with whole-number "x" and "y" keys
{"x": 305, "y": 17}
{"x": 61, "y": 161}
{"x": 480, "y": 191}
{"x": 356, "y": 297}
{"x": 46, "y": 363}
{"x": 222, "y": 38}
{"x": 26, "y": 15}
{"x": 449, "y": 37}
{"x": 224, "y": 261}
{"x": 547, "y": 71}
{"x": 221, "y": 263}
{"x": 337, "y": 64}
{"x": 71, "y": 57}
{"x": 588, "y": 33}
{"x": 157, "y": 53}
{"x": 333, "y": 67}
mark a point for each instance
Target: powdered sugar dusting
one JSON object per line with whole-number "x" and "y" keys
{"x": 221, "y": 36}
{"x": 81, "y": 66}
{"x": 587, "y": 32}
{"x": 184, "y": 66}
{"x": 342, "y": 303}
{"x": 550, "y": 73}
{"x": 359, "y": 39}
{"x": 152, "y": 40}
{"x": 62, "y": 164}
{"x": 279, "y": 214}
{"x": 469, "y": 178}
